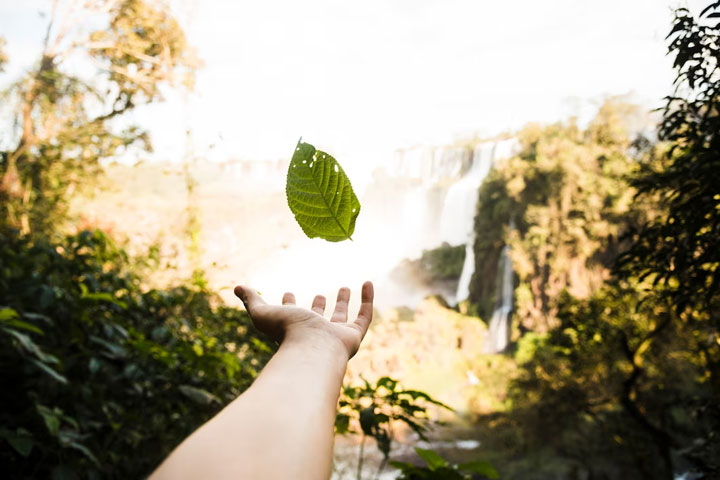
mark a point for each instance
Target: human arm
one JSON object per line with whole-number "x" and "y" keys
{"x": 282, "y": 426}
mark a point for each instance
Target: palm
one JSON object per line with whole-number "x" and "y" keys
{"x": 278, "y": 320}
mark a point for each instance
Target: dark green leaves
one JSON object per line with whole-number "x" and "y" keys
{"x": 92, "y": 359}
{"x": 433, "y": 460}
{"x": 483, "y": 468}
{"x": 20, "y": 440}
{"x": 320, "y": 195}
{"x": 439, "y": 469}
{"x": 198, "y": 395}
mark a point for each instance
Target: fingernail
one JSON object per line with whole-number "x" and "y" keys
{"x": 240, "y": 293}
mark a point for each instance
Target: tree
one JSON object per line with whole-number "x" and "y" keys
{"x": 3, "y": 55}
{"x": 678, "y": 251}
{"x": 103, "y": 377}
{"x": 67, "y": 122}
{"x": 632, "y": 371}
{"x": 567, "y": 195}
{"x": 618, "y": 379}
{"x": 680, "y": 248}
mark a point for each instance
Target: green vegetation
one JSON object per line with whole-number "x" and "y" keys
{"x": 562, "y": 205}
{"x": 101, "y": 369}
{"x": 614, "y": 370}
{"x": 320, "y": 195}
{"x": 105, "y": 375}
{"x": 66, "y": 124}
{"x": 439, "y": 268}
{"x": 442, "y": 263}
{"x": 439, "y": 469}
{"x": 615, "y": 246}
{"x": 3, "y": 55}
{"x": 374, "y": 408}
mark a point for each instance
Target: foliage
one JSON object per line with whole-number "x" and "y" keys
{"x": 678, "y": 251}
{"x": 630, "y": 372}
{"x": 627, "y": 369}
{"x": 681, "y": 248}
{"x": 107, "y": 378}
{"x": 442, "y": 263}
{"x": 439, "y": 469}
{"x": 320, "y": 195}
{"x": 617, "y": 379}
{"x": 437, "y": 268}
{"x": 3, "y": 55}
{"x": 374, "y": 408}
{"x": 561, "y": 204}
{"x": 65, "y": 124}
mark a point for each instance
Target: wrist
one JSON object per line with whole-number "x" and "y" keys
{"x": 316, "y": 342}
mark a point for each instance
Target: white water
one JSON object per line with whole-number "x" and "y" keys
{"x": 484, "y": 157}
{"x": 419, "y": 199}
{"x": 499, "y": 330}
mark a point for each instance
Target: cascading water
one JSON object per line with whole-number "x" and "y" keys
{"x": 456, "y": 221}
{"x": 459, "y": 211}
{"x": 445, "y": 196}
{"x": 484, "y": 156}
{"x": 418, "y": 199}
{"x": 499, "y": 330}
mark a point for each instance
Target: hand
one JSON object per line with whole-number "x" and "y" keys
{"x": 291, "y": 323}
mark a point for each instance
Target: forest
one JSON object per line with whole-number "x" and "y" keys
{"x": 112, "y": 352}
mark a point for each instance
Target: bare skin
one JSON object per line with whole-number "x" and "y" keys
{"x": 282, "y": 426}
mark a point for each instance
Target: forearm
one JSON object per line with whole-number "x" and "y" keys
{"x": 280, "y": 428}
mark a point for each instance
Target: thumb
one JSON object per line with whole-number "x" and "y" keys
{"x": 249, "y": 297}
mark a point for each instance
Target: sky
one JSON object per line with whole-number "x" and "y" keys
{"x": 361, "y": 79}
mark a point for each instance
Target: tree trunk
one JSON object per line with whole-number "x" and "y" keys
{"x": 662, "y": 440}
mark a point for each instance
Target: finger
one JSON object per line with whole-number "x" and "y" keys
{"x": 365, "y": 314}
{"x": 341, "y": 306}
{"x": 265, "y": 317}
{"x": 318, "y": 305}
{"x": 249, "y": 297}
{"x": 288, "y": 299}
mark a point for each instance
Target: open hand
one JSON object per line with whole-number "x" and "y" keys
{"x": 288, "y": 322}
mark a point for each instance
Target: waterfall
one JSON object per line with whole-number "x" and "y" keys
{"x": 463, "y": 288}
{"x": 460, "y": 208}
{"x": 423, "y": 197}
{"x": 484, "y": 155}
{"x": 499, "y": 330}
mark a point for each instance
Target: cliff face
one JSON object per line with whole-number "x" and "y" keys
{"x": 567, "y": 196}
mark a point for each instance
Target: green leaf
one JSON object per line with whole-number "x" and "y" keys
{"x": 10, "y": 318}
{"x": 63, "y": 472}
{"x": 320, "y": 196}
{"x": 432, "y": 458}
{"x": 483, "y": 468}
{"x": 198, "y": 395}
{"x": 103, "y": 297}
{"x": 24, "y": 326}
{"x": 51, "y": 417}
{"x": 112, "y": 350}
{"x": 86, "y": 451}
{"x": 368, "y": 420}
{"x": 19, "y": 440}
{"x": 7, "y": 313}
{"x": 384, "y": 442}
{"x": 22, "y": 445}
{"x": 30, "y": 346}
{"x": 53, "y": 373}
{"x": 342, "y": 423}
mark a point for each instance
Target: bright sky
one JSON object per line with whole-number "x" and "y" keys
{"x": 359, "y": 79}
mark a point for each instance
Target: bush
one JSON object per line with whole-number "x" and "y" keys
{"x": 102, "y": 378}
